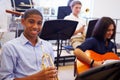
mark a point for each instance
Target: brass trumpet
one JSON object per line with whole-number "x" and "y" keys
{"x": 46, "y": 62}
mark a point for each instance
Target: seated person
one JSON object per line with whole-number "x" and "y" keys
{"x": 78, "y": 36}
{"x": 21, "y": 58}
{"x": 100, "y": 42}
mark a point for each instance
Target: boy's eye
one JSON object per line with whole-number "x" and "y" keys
{"x": 31, "y": 21}
{"x": 40, "y": 22}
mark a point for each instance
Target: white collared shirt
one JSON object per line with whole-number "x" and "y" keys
{"x": 74, "y": 18}
{"x": 80, "y": 20}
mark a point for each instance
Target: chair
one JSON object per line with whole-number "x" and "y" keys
{"x": 21, "y": 5}
{"x": 63, "y": 11}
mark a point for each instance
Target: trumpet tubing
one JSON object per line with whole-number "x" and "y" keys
{"x": 47, "y": 62}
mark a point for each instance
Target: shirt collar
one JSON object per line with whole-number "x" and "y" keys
{"x": 25, "y": 41}
{"x": 74, "y": 16}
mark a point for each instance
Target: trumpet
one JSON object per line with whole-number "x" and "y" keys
{"x": 46, "y": 62}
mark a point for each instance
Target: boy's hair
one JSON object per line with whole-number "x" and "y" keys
{"x": 69, "y": 1}
{"x": 31, "y": 12}
{"x": 74, "y": 2}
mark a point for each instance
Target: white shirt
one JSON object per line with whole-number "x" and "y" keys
{"x": 81, "y": 22}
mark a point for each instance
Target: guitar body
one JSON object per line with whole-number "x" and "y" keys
{"x": 81, "y": 66}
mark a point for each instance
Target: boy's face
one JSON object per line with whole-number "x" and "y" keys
{"x": 32, "y": 25}
{"x": 76, "y": 9}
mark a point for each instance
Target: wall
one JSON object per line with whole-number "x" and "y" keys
{"x": 5, "y": 20}
{"x": 4, "y": 17}
{"x": 106, "y": 8}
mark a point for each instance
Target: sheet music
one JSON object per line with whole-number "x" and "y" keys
{"x": 110, "y": 61}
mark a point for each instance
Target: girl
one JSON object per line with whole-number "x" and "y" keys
{"x": 100, "y": 42}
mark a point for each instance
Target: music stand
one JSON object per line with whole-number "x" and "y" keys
{"x": 20, "y": 5}
{"x": 91, "y": 26}
{"x": 109, "y": 71}
{"x": 58, "y": 30}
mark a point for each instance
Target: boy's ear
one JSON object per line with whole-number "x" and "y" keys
{"x": 22, "y": 21}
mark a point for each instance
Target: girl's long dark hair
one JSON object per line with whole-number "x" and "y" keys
{"x": 101, "y": 28}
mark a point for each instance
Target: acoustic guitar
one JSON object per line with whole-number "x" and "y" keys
{"x": 81, "y": 66}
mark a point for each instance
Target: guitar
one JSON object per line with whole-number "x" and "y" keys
{"x": 81, "y": 66}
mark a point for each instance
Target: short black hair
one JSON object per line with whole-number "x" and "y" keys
{"x": 31, "y": 12}
{"x": 102, "y": 26}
